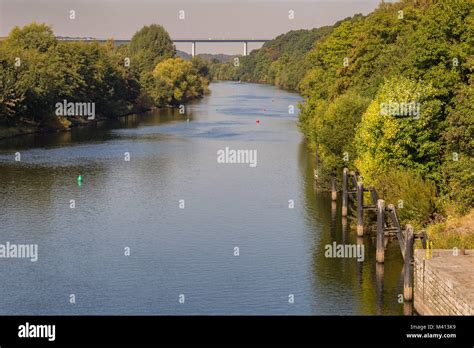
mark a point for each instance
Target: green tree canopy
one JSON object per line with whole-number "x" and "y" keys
{"x": 33, "y": 36}
{"x": 149, "y": 46}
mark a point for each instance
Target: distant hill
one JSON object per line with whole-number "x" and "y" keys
{"x": 184, "y": 55}
{"x": 221, "y": 58}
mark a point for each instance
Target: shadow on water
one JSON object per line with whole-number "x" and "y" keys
{"x": 93, "y": 133}
{"x": 174, "y": 250}
{"x": 367, "y": 288}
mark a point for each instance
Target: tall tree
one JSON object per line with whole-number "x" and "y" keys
{"x": 149, "y": 46}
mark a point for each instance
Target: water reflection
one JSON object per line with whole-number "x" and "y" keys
{"x": 135, "y": 204}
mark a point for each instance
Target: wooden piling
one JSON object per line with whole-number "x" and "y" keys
{"x": 333, "y": 188}
{"x": 344, "y": 192}
{"x": 333, "y": 219}
{"x": 360, "y": 209}
{"x": 379, "y": 285}
{"x": 407, "y": 269}
{"x": 373, "y": 194}
{"x": 407, "y": 308}
{"x": 344, "y": 230}
{"x": 380, "y": 253}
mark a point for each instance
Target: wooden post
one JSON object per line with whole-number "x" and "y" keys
{"x": 360, "y": 209}
{"x": 379, "y": 280}
{"x": 360, "y": 242}
{"x": 407, "y": 269}
{"x": 380, "y": 253}
{"x": 374, "y": 196}
{"x": 407, "y": 308}
{"x": 333, "y": 187}
{"x": 400, "y": 235}
{"x": 333, "y": 220}
{"x": 344, "y": 192}
{"x": 424, "y": 239}
{"x": 344, "y": 230}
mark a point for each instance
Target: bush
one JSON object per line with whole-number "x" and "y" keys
{"x": 414, "y": 197}
{"x": 332, "y": 127}
{"x": 384, "y": 139}
{"x": 456, "y": 232}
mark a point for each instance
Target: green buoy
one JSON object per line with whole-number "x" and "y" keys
{"x": 79, "y": 180}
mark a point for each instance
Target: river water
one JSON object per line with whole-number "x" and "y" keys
{"x": 181, "y": 215}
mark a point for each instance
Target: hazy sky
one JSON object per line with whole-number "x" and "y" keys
{"x": 120, "y": 19}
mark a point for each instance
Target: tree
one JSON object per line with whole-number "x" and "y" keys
{"x": 202, "y": 66}
{"x": 401, "y": 128}
{"x": 458, "y": 164}
{"x": 12, "y": 90}
{"x": 175, "y": 81}
{"x": 33, "y": 36}
{"x": 149, "y": 46}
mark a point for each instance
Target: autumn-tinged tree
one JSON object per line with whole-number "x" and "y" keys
{"x": 33, "y": 36}
{"x": 175, "y": 81}
{"x": 400, "y": 128}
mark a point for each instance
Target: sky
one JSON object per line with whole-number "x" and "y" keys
{"x": 203, "y": 19}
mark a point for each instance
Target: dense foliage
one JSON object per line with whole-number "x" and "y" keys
{"x": 149, "y": 46}
{"x": 37, "y": 71}
{"x": 177, "y": 80}
{"x": 389, "y": 94}
{"x": 407, "y": 69}
{"x": 165, "y": 80}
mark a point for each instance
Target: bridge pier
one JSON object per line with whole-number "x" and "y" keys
{"x": 193, "y": 48}
{"x": 245, "y": 48}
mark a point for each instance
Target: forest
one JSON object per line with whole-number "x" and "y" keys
{"x": 37, "y": 71}
{"x": 391, "y": 95}
{"x": 280, "y": 61}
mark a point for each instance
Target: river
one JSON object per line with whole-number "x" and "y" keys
{"x": 168, "y": 222}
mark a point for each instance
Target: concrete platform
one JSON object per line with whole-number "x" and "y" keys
{"x": 444, "y": 283}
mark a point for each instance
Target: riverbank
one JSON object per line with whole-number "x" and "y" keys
{"x": 136, "y": 204}
{"x": 64, "y": 125}
{"x": 12, "y": 132}
{"x": 18, "y": 131}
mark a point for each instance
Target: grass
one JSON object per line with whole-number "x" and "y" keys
{"x": 454, "y": 232}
